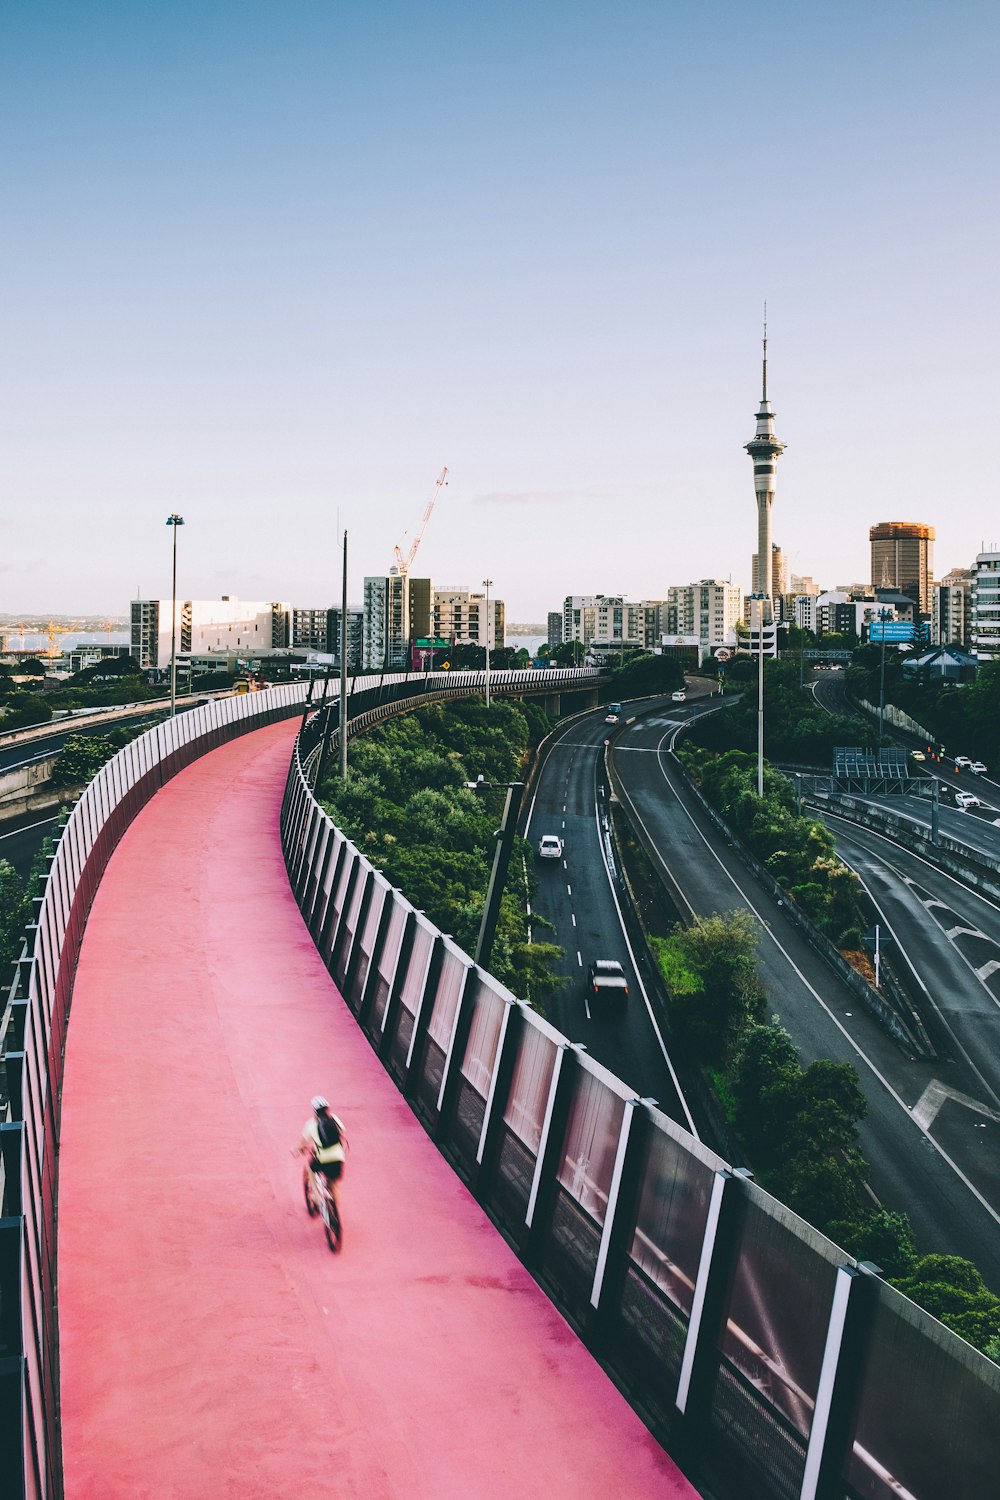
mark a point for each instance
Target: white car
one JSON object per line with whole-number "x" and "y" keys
{"x": 679, "y": 697}
{"x": 967, "y": 799}
{"x": 550, "y": 846}
{"x": 977, "y": 768}
{"x": 963, "y": 762}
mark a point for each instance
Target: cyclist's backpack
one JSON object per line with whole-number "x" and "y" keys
{"x": 330, "y": 1147}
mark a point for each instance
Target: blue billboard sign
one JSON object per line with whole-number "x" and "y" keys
{"x": 891, "y": 630}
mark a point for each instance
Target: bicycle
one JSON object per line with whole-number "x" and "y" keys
{"x": 320, "y": 1201}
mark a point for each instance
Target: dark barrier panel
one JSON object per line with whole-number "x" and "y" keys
{"x": 759, "y": 1353}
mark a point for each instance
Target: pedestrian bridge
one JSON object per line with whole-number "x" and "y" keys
{"x": 210, "y": 1345}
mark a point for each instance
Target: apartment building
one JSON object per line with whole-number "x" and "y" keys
{"x": 709, "y": 610}
{"x": 951, "y": 608}
{"x": 207, "y": 627}
{"x": 985, "y": 622}
{"x": 460, "y": 616}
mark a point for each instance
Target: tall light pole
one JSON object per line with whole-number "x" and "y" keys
{"x": 759, "y": 600}
{"x": 174, "y": 521}
{"x": 884, "y": 615}
{"x": 487, "y": 585}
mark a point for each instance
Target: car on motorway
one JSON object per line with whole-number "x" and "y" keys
{"x": 679, "y": 697}
{"x": 613, "y": 714}
{"x": 977, "y": 768}
{"x": 607, "y": 986}
{"x": 967, "y": 799}
{"x": 963, "y": 762}
{"x": 550, "y": 846}
{"x": 917, "y": 755}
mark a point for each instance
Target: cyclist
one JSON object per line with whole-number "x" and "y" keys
{"x": 322, "y": 1144}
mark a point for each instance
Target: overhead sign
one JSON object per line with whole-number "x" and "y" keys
{"x": 891, "y": 630}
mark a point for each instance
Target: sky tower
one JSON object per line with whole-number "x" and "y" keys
{"x": 765, "y": 450}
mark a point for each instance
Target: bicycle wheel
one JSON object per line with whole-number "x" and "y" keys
{"x": 311, "y": 1208}
{"x": 332, "y": 1225}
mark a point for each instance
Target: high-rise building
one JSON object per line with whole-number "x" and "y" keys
{"x": 903, "y": 558}
{"x": 709, "y": 610}
{"x": 555, "y": 633}
{"x": 460, "y": 617}
{"x": 985, "y": 629}
{"x": 225, "y": 626}
{"x": 765, "y": 450}
{"x": 951, "y": 608}
{"x": 777, "y": 584}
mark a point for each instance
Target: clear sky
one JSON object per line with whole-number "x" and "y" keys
{"x": 272, "y": 265}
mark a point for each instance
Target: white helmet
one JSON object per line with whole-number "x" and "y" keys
{"x": 319, "y": 1103}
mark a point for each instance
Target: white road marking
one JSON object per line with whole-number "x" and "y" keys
{"x": 855, "y": 1047}
{"x": 926, "y": 1109}
{"x": 26, "y": 826}
{"x": 579, "y": 960}
{"x": 573, "y": 917}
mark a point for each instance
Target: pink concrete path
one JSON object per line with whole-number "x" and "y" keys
{"x": 211, "y": 1344}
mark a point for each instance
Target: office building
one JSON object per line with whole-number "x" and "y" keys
{"x": 555, "y": 624}
{"x": 903, "y": 558}
{"x": 985, "y": 624}
{"x": 227, "y": 626}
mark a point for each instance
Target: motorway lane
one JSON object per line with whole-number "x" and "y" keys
{"x": 909, "y": 1166}
{"x": 20, "y": 845}
{"x": 576, "y": 896}
{"x": 13, "y": 756}
{"x": 949, "y": 937}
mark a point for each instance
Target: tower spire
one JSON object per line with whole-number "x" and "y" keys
{"x": 764, "y": 396}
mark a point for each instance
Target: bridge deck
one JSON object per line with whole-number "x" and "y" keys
{"x": 211, "y": 1345}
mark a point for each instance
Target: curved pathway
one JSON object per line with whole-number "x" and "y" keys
{"x": 210, "y": 1344}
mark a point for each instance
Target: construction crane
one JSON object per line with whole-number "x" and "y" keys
{"x": 403, "y": 563}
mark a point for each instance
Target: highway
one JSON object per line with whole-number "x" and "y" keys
{"x": 26, "y": 753}
{"x": 20, "y": 844}
{"x": 916, "y": 1164}
{"x": 576, "y": 895}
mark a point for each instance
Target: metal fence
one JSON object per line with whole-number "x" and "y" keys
{"x": 765, "y": 1359}
{"x": 33, "y": 1026}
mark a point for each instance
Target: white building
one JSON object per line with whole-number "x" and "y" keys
{"x": 710, "y": 610}
{"x": 460, "y": 616}
{"x": 225, "y": 626}
{"x": 985, "y": 626}
{"x": 951, "y": 608}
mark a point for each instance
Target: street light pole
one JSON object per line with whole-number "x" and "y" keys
{"x": 174, "y": 521}
{"x": 883, "y": 614}
{"x": 501, "y": 860}
{"x": 487, "y": 585}
{"x": 758, "y": 600}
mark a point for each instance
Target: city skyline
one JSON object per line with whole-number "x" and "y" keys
{"x": 273, "y": 270}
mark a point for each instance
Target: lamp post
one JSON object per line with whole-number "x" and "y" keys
{"x": 487, "y": 585}
{"x": 759, "y": 599}
{"x": 501, "y": 859}
{"x": 884, "y": 615}
{"x": 174, "y": 521}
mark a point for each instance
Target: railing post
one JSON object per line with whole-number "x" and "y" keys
{"x": 855, "y": 1295}
{"x": 619, "y": 1219}
{"x": 367, "y": 996}
{"x": 491, "y": 1135}
{"x": 330, "y": 912}
{"x": 392, "y": 1004}
{"x": 700, "y": 1358}
{"x": 451, "y": 1074}
{"x": 541, "y": 1200}
{"x": 421, "y": 1017}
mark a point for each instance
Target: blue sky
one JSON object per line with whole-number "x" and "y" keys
{"x": 272, "y": 266}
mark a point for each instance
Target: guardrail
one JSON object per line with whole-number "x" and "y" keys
{"x": 33, "y": 1029}
{"x": 770, "y": 1363}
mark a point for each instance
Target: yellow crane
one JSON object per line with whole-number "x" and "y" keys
{"x": 403, "y": 563}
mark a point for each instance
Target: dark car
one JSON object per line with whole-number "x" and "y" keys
{"x": 607, "y": 987}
